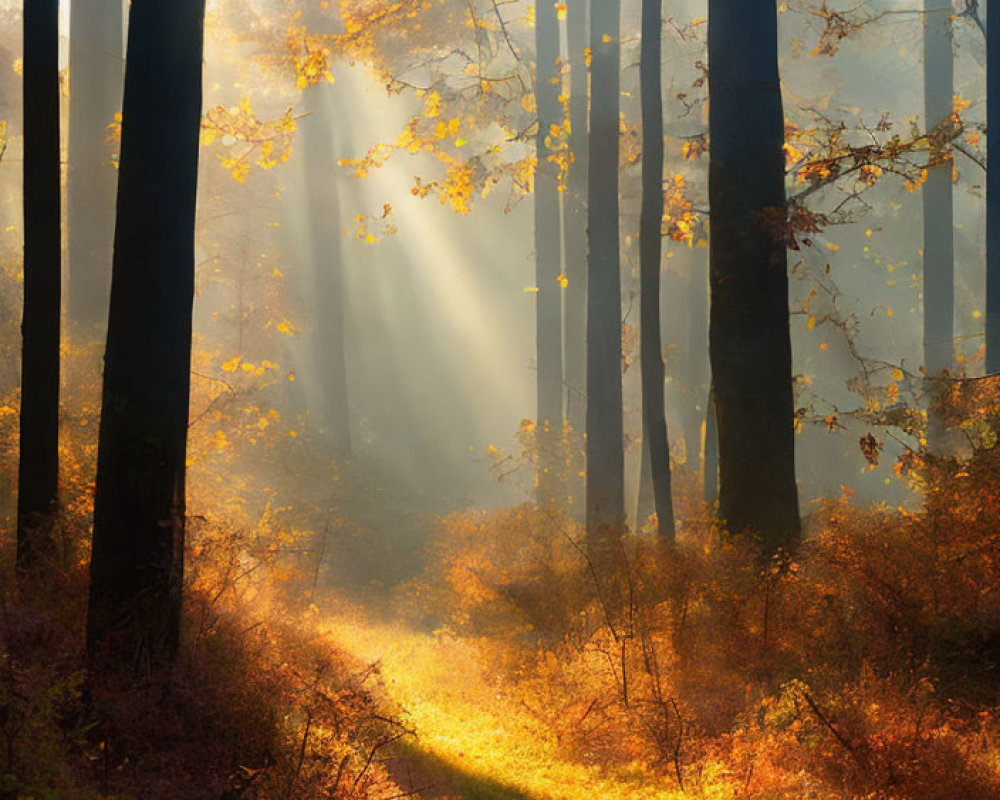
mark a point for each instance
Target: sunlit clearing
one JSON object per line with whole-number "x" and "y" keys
{"x": 467, "y": 716}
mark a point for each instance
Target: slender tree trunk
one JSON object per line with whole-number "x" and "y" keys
{"x": 96, "y": 74}
{"x": 750, "y": 344}
{"x": 650, "y": 242}
{"x": 548, "y": 259}
{"x": 605, "y": 456}
{"x": 39, "y": 436}
{"x": 242, "y": 312}
{"x": 696, "y": 358}
{"x": 575, "y": 231}
{"x": 137, "y": 560}
{"x": 327, "y": 266}
{"x": 646, "y": 499}
{"x": 992, "y": 189}
{"x": 939, "y": 228}
{"x": 710, "y": 448}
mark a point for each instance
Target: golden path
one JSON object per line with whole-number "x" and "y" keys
{"x": 486, "y": 744}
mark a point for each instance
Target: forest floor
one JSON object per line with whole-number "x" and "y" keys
{"x": 472, "y": 739}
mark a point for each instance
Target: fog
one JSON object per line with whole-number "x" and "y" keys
{"x": 439, "y": 311}
{"x": 394, "y": 541}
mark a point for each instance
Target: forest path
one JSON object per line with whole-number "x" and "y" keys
{"x": 474, "y": 741}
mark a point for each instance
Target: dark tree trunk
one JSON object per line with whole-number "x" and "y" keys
{"x": 938, "y": 222}
{"x": 96, "y": 70}
{"x": 605, "y": 456}
{"x": 575, "y": 233}
{"x": 749, "y": 337}
{"x": 654, "y": 416}
{"x": 137, "y": 562}
{"x": 993, "y": 189}
{"x": 327, "y": 267}
{"x": 39, "y": 437}
{"x": 548, "y": 259}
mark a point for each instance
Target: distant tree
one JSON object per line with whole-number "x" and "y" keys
{"x": 750, "y": 345}
{"x": 710, "y": 449}
{"x": 324, "y": 250}
{"x": 327, "y": 265}
{"x": 605, "y": 454}
{"x": 575, "y": 227}
{"x": 39, "y": 438}
{"x": 548, "y": 256}
{"x": 938, "y": 217}
{"x": 137, "y": 559}
{"x": 993, "y": 189}
{"x": 650, "y": 241}
{"x": 694, "y": 360}
{"x": 96, "y": 62}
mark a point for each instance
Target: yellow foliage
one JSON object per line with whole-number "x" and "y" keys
{"x": 248, "y": 141}
{"x": 916, "y": 184}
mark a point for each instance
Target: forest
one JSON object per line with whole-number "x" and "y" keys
{"x": 499, "y": 400}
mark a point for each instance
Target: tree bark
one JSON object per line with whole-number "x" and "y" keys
{"x": 38, "y": 470}
{"x": 327, "y": 266}
{"x": 137, "y": 559}
{"x": 650, "y": 242}
{"x": 750, "y": 345}
{"x": 96, "y": 68}
{"x": 938, "y": 222}
{"x": 605, "y": 455}
{"x": 993, "y": 189}
{"x": 575, "y": 233}
{"x": 548, "y": 259}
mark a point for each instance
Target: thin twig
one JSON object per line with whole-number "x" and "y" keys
{"x": 836, "y": 734}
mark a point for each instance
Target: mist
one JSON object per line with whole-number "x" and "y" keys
{"x": 330, "y": 460}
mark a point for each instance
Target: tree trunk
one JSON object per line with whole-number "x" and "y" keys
{"x": 575, "y": 232}
{"x": 327, "y": 266}
{"x": 710, "y": 448}
{"x": 96, "y": 72}
{"x": 749, "y": 339}
{"x": 137, "y": 561}
{"x": 548, "y": 259}
{"x": 939, "y": 228}
{"x": 646, "y": 499}
{"x": 993, "y": 189}
{"x": 696, "y": 358}
{"x": 39, "y": 435}
{"x": 650, "y": 242}
{"x": 605, "y": 456}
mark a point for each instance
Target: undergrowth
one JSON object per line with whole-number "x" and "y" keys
{"x": 866, "y": 666}
{"x": 258, "y": 706}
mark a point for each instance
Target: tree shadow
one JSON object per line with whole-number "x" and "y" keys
{"x": 425, "y": 775}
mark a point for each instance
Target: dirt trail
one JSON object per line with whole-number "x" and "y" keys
{"x": 473, "y": 741}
